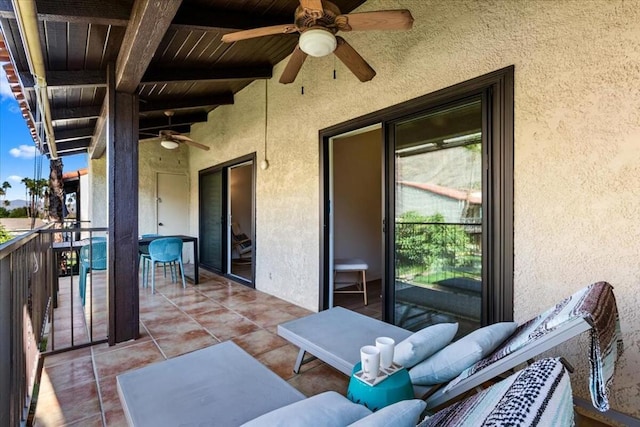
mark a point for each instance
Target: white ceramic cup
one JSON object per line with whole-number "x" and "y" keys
{"x": 370, "y": 358}
{"x": 386, "y": 346}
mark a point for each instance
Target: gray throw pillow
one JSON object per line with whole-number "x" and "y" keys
{"x": 449, "y": 362}
{"x": 423, "y": 344}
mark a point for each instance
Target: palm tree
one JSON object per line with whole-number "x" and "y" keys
{"x": 35, "y": 189}
{"x": 3, "y": 191}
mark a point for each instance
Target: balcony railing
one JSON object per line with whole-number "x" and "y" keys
{"x": 29, "y": 286}
{"x": 433, "y": 250}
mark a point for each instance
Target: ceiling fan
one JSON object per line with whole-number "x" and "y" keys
{"x": 318, "y": 21}
{"x": 170, "y": 139}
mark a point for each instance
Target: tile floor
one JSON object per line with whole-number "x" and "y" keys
{"x": 78, "y": 388}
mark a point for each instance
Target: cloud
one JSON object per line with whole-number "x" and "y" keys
{"x": 24, "y": 152}
{"x": 5, "y": 89}
{"x": 14, "y": 178}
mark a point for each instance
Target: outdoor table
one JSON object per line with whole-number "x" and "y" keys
{"x": 221, "y": 385}
{"x": 186, "y": 239}
{"x": 393, "y": 389}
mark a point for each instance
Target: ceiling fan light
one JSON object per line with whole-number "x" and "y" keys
{"x": 169, "y": 145}
{"x": 316, "y": 42}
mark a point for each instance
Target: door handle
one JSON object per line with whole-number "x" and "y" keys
{"x": 160, "y": 224}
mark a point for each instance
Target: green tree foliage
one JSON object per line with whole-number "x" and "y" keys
{"x": 4, "y": 212}
{"x": 4, "y": 235}
{"x": 428, "y": 243}
{"x": 35, "y": 189}
{"x": 18, "y": 213}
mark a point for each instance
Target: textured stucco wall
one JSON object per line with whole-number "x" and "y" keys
{"x": 577, "y": 156}
{"x": 97, "y": 197}
{"x": 153, "y": 159}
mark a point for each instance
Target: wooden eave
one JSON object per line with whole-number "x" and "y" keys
{"x": 190, "y": 71}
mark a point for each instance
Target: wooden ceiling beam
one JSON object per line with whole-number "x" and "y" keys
{"x": 95, "y": 12}
{"x": 192, "y": 17}
{"x": 82, "y": 144}
{"x": 68, "y": 79}
{"x": 98, "y": 78}
{"x": 149, "y": 22}
{"x": 89, "y": 112}
{"x": 73, "y": 134}
{"x": 177, "y": 120}
{"x": 179, "y": 104}
{"x": 188, "y": 17}
{"x": 155, "y": 133}
{"x": 162, "y": 76}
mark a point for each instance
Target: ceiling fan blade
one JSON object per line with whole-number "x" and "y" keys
{"x": 400, "y": 19}
{"x": 312, "y": 5}
{"x": 259, "y": 32}
{"x": 353, "y": 60}
{"x": 293, "y": 66}
{"x": 181, "y": 138}
{"x": 191, "y": 142}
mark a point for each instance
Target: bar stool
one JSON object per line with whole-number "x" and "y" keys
{"x": 350, "y": 265}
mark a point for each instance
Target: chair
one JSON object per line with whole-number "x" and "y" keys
{"x": 143, "y": 256}
{"x": 92, "y": 257}
{"x": 241, "y": 243}
{"x": 539, "y": 395}
{"x": 166, "y": 250}
{"x": 324, "y": 336}
{"x": 350, "y": 265}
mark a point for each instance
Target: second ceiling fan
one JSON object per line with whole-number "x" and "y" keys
{"x": 318, "y": 21}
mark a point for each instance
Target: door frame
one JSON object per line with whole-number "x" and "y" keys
{"x": 497, "y": 90}
{"x": 225, "y": 253}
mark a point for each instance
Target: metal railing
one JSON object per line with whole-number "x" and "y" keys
{"x": 426, "y": 249}
{"x": 25, "y": 290}
{"x": 30, "y": 267}
{"x": 67, "y": 255}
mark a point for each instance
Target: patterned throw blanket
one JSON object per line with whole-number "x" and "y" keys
{"x": 537, "y": 396}
{"x": 597, "y": 305}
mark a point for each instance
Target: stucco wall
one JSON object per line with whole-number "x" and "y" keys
{"x": 577, "y": 156}
{"x": 153, "y": 159}
{"x": 97, "y": 196}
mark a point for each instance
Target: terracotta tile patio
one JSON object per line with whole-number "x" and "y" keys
{"x": 78, "y": 388}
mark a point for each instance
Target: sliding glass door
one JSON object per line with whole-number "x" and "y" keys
{"x": 227, "y": 219}
{"x": 211, "y": 221}
{"x": 447, "y": 205}
{"x": 438, "y": 225}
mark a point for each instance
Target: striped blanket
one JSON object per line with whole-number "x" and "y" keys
{"x": 537, "y": 396}
{"x": 597, "y": 305}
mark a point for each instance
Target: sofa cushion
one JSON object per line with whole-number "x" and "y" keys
{"x": 423, "y": 344}
{"x": 449, "y": 362}
{"x": 405, "y": 413}
{"x": 328, "y": 408}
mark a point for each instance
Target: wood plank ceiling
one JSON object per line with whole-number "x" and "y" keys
{"x": 191, "y": 72}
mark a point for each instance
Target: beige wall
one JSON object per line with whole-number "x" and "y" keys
{"x": 577, "y": 156}
{"x": 153, "y": 159}
{"x": 357, "y": 199}
{"x": 97, "y": 196}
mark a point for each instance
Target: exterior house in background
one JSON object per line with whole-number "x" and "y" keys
{"x": 554, "y": 93}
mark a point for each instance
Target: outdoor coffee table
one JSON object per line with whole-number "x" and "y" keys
{"x": 335, "y": 336}
{"x": 221, "y": 385}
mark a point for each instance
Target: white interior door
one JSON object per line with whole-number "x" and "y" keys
{"x": 173, "y": 208}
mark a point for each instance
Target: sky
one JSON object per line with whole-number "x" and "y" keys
{"x": 18, "y": 154}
